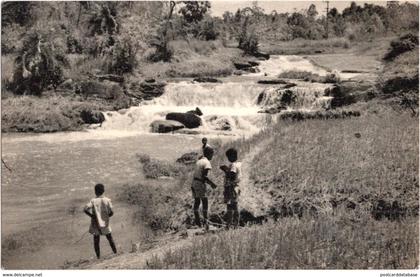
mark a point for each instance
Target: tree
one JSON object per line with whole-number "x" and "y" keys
{"x": 19, "y": 12}
{"x": 312, "y": 12}
{"x": 39, "y": 64}
{"x": 161, "y": 39}
{"x": 194, "y": 11}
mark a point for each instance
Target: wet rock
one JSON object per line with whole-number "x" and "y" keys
{"x": 197, "y": 111}
{"x": 188, "y": 158}
{"x": 190, "y": 120}
{"x": 206, "y": 80}
{"x": 92, "y": 117}
{"x": 260, "y": 98}
{"x": 262, "y": 55}
{"x": 242, "y": 66}
{"x": 290, "y": 85}
{"x": 187, "y": 132}
{"x": 252, "y": 63}
{"x": 165, "y": 126}
{"x": 272, "y": 82}
{"x": 145, "y": 90}
{"x": 252, "y": 70}
{"x": 150, "y": 80}
{"x": 238, "y": 72}
{"x": 220, "y": 123}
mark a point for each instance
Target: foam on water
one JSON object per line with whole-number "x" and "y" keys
{"x": 233, "y": 102}
{"x": 279, "y": 64}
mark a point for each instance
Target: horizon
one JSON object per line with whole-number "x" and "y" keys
{"x": 219, "y": 7}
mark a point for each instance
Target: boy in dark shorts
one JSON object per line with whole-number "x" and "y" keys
{"x": 198, "y": 186}
{"x": 231, "y": 187}
{"x": 100, "y": 210}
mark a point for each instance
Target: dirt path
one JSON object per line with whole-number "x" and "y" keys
{"x": 253, "y": 199}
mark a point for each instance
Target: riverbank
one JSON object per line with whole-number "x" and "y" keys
{"x": 330, "y": 187}
{"x": 79, "y": 101}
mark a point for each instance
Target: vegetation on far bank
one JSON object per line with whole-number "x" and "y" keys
{"x": 55, "y": 48}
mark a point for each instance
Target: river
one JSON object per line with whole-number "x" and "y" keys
{"x": 52, "y": 175}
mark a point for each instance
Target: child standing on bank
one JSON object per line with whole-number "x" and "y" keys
{"x": 100, "y": 211}
{"x": 231, "y": 187}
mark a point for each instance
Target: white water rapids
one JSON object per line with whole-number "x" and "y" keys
{"x": 234, "y": 101}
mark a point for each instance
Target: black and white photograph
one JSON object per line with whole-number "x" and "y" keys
{"x": 209, "y": 135}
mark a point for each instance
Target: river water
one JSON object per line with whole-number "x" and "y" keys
{"x": 53, "y": 175}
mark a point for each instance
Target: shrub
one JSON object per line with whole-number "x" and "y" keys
{"x": 122, "y": 57}
{"x": 401, "y": 45}
{"x": 154, "y": 169}
{"x": 208, "y": 30}
{"x": 39, "y": 64}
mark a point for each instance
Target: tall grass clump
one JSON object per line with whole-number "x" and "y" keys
{"x": 153, "y": 168}
{"x": 322, "y": 243}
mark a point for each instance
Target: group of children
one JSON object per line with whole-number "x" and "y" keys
{"x": 100, "y": 207}
{"x": 231, "y": 191}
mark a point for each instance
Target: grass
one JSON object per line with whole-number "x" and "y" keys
{"x": 322, "y": 243}
{"x": 154, "y": 169}
{"x": 314, "y": 164}
{"x": 46, "y": 114}
{"x": 301, "y": 46}
{"x": 344, "y": 194}
{"x": 194, "y": 59}
{"x": 333, "y": 77}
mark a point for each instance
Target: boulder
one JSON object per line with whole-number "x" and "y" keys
{"x": 165, "y": 126}
{"x": 188, "y": 158}
{"x": 252, "y": 63}
{"x": 92, "y": 117}
{"x": 197, "y": 111}
{"x": 238, "y": 72}
{"x": 272, "y": 82}
{"x": 261, "y": 55}
{"x": 150, "y": 80}
{"x": 242, "y": 66}
{"x": 206, "y": 80}
{"x": 190, "y": 120}
{"x": 145, "y": 90}
{"x": 289, "y": 85}
{"x": 252, "y": 69}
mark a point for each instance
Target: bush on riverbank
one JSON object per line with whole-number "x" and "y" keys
{"x": 400, "y": 76}
{"x": 48, "y": 114}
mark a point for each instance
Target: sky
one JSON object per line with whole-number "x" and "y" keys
{"x": 218, "y": 7}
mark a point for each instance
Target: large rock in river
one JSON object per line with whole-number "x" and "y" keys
{"x": 190, "y": 120}
{"x": 165, "y": 126}
{"x": 197, "y": 111}
{"x": 92, "y": 117}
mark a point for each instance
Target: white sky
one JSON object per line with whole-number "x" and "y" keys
{"x": 218, "y": 7}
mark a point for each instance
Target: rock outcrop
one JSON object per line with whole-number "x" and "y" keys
{"x": 189, "y": 120}
{"x": 165, "y": 126}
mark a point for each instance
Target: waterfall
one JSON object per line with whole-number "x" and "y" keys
{"x": 231, "y": 107}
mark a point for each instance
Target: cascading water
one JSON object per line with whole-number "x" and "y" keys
{"x": 231, "y": 107}
{"x": 230, "y": 103}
